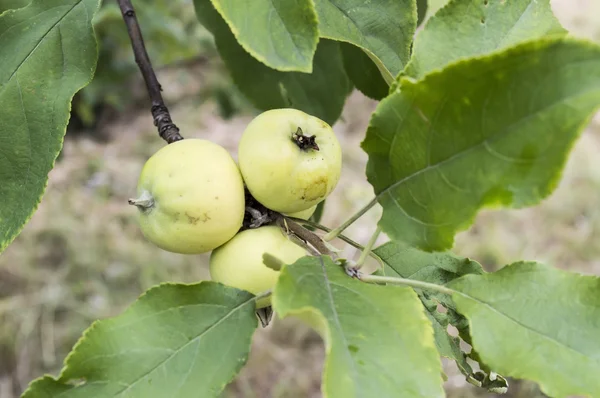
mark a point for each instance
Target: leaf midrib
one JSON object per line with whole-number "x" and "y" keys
{"x": 297, "y": 47}
{"x": 524, "y": 326}
{"x": 40, "y": 41}
{"x": 337, "y": 320}
{"x": 178, "y": 350}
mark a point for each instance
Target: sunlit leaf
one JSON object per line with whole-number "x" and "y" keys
{"x": 536, "y": 322}
{"x": 489, "y": 131}
{"x": 468, "y": 28}
{"x": 378, "y": 340}
{"x": 434, "y": 6}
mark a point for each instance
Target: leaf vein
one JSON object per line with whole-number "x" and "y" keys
{"x": 229, "y": 314}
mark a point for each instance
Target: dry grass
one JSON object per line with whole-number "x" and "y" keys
{"x": 82, "y": 257}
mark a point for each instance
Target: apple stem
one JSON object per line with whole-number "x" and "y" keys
{"x": 367, "y": 249}
{"x": 144, "y": 202}
{"x": 305, "y": 142}
{"x": 335, "y": 232}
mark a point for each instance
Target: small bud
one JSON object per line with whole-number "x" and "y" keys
{"x": 272, "y": 262}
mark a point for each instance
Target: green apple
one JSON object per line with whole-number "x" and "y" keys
{"x": 239, "y": 262}
{"x": 190, "y": 197}
{"x": 303, "y": 214}
{"x": 289, "y": 159}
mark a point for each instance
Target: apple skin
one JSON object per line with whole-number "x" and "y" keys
{"x": 239, "y": 262}
{"x": 303, "y": 214}
{"x": 278, "y": 173}
{"x": 190, "y": 197}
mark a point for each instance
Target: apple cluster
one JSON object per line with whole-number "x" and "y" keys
{"x": 191, "y": 194}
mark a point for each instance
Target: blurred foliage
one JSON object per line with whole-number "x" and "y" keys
{"x": 172, "y": 35}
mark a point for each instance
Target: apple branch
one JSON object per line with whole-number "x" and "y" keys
{"x": 162, "y": 118}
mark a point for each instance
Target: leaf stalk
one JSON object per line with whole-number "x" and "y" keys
{"x": 403, "y": 281}
{"x": 367, "y": 249}
{"x": 337, "y": 231}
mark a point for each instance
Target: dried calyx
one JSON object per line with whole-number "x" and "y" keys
{"x": 305, "y": 142}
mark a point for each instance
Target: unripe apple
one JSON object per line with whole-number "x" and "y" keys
{"x": 239, "y": 262}
{"x": 289, "y": 159}
{"x": 190, "y": 197}
{"x": 303, "y": 214}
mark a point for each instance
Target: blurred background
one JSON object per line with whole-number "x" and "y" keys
{"x": 82, "y": 256}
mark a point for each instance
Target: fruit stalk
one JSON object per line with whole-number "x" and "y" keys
{"x": 144, "y": 202}
{"x": 367, "y": 250}
{"x": 162, "y": 118}
{"x": 335, "y": 232}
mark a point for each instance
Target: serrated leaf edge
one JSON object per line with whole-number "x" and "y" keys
{"x": 406, "y": 81}
{"x": 443, "y": 11}
{"x": 61, "y": 378}
{"x": 4, "y": 243}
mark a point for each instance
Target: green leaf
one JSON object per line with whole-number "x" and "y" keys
{"x": 281, "y": 34}
{"x": 384, "y": 29}
{"x": 48, "y": 387}
{"x": 439, "y": 268}
{"x": 321, "y": 93}
{"x": 176, "y": 340}
{"x": 378, "y": 341}
{"x": 52, "y": 55}
{"x": 468, "y": 28}
{"x": 495, "y": 130}
{"x": 318, "y": 214}
{"x": 363, "y": 72}
{"x": 421, "y": 11}
{"x": 536, "y": 322}
{"x": 6, "y": 5}
{"x": 433, "y": 6}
